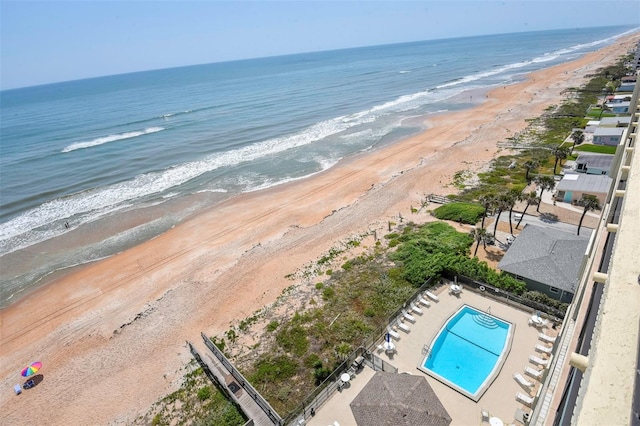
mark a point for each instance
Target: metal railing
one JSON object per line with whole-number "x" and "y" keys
{"x": 331, "y": 384}
{"x": 499, "y": 294}
{"x": 216, "y": 381}
{"x": 244, "y": 383}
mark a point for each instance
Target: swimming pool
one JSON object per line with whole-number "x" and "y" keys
{"x": 468, "y": 351}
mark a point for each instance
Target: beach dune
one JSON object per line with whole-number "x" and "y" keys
{"x": 111, "y": 335}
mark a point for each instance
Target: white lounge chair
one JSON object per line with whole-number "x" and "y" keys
{"x": 408, "y": 316}
{"x": 525, "y": 399}
{"x": 393, "y": 333}
{"x": 536, "y": 360}
{"x": 431, "y": 296}
{"x": 543, "y": 349}
{"x": 485, "y": 416}
{"x": 536, "y": 374}
{"x": 416, "y": 309}
{"x": 423, "y": 301}
{"x": 546, "y": 338}
{"x": 404, "y": 327}
{"x": 522, "y": 380}
{"x": 380, "y": 348}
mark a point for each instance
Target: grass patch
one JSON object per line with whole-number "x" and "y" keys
{"x": 601, "y": 149}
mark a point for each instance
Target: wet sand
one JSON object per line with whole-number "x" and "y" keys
{"x": 112, "y": 335}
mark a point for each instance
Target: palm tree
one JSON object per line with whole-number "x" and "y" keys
{"x": 589, "y": 202}
{"x": 578, "y": 138}
{"x": 480, "y": 235}
{"x": 529, "y": 166}
{"x": 560, "y": 153}
{"x": 514, "y": 195}
{"x": 544, "y": 183}
{"x": 502, "y": 203}
{"x": 486, "y": 201}
{"x": 531, "y": 198}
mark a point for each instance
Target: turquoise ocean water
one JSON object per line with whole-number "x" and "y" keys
{"x": 91, "y": 167}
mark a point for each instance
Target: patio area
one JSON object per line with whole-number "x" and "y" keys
{"x": 499, "y": 401}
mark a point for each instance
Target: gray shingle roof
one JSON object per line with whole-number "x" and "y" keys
{"x": 609, "y": 131}
{"x": 600, "y": 161}
{"x": 398, "y": 399}
{"x": 547, "y": 256}
{"x": 595, "y": 184}
{"x": 613, "y": 121}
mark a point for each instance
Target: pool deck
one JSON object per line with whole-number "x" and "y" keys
{"x": 499, "y": 399}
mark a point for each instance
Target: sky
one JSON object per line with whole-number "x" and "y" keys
{"x": 50, "y": 41}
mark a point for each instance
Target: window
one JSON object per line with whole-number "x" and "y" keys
{"x": 554, "y": 290}
{"x": 519, "y": 277}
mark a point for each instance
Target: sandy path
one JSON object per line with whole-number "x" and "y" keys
{"x": 112, "y": 335}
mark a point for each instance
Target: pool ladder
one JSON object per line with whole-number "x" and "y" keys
{"x": 426, "y": 351}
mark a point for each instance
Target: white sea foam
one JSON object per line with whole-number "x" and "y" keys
{"x": 111, "y": 138}
{"x": 43, "y": 222}
{"x": 34, "y": 225}
{"x": 547, "y": 57}
{"x": 216, "y": 190}
{"x": 324, "y": 163}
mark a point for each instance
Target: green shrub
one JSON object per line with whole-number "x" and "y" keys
{"x": 460, "y": 212}
{"x": 293, "y": 339}
{"x": 321, "y": 373}
{"x": 312, "y": 361}
{"x": 272, "y": 326}
{"x": 328, "y": 293}
{"x": 539, "y": 297}
{"x": 274, "y": 369}
{"x": 156, "y": 420}
{"x": 204, "y": 393}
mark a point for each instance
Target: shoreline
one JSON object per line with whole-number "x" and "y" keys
{"x": 95, "y": 327}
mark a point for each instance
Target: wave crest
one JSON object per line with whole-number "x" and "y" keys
{"x": 111, "y": 138}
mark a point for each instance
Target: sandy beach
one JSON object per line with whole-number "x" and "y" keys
{"x": 111, "y": 336}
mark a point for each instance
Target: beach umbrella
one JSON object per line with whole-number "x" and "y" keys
{"x": 391, "y": 399}
{"x": 31, "y": 369}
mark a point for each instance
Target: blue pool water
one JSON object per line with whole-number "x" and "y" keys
{"x": 468, "y": 351}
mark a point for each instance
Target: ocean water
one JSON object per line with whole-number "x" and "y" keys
{"x": 91, "y": 167}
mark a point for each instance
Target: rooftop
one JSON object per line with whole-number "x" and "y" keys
{"x": 595, "y": 184}
{"x": 547, "y": 256}
{"x": 615, "y": 121}
{"x": 600, "y": 161}
{"x": 609, "y": 131}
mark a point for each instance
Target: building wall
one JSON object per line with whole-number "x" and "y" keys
{"x": 575, "y": 196}
{"x": 606, "y": 140}
{"x": 561, "y": 295}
